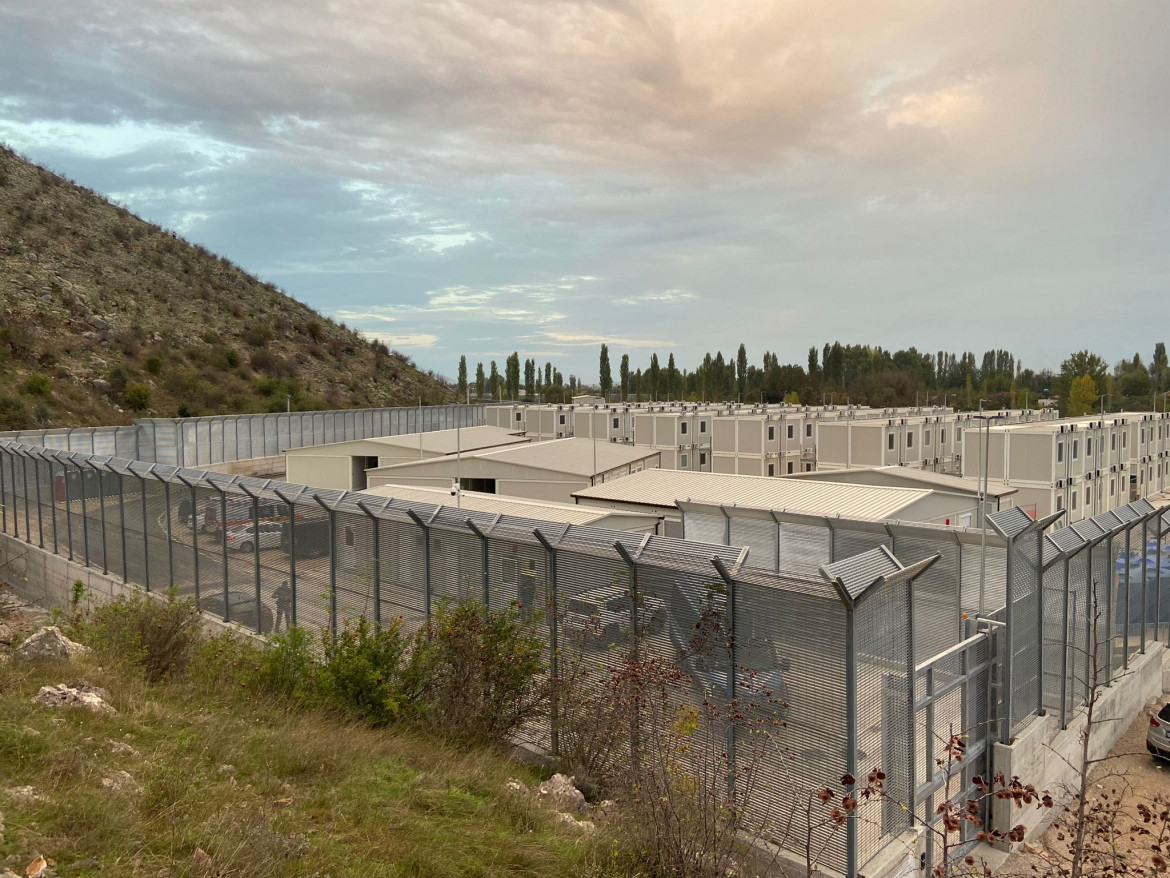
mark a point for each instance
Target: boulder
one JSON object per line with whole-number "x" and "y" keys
{"x": 62, "y": 695}
{"x": 559, "y": 794}
{"x": 121, "y": 782}
{"x": 48, "y": 643}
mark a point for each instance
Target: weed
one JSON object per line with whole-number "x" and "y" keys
{"x": 157, "y": 635}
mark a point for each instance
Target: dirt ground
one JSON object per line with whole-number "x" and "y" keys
{"x": 1131, "y": 774}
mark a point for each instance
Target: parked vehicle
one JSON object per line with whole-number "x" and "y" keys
{"x": 311, "y": 539}
{"x": 1158, "y": 734}
{"x": 239, "y": 512}
{"x": 241, "y": 609}
{"x": 601, "y": 616}
{"x": 269, "y": 535}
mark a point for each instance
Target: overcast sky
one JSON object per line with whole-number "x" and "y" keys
{"x": 544, "y": 175}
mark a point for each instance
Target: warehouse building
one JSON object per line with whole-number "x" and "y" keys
{"x": 550, "y": 470}
{"x": 343, "y": 465}
{"x": 537, "y": 510}
{"x": 663, "y": 493}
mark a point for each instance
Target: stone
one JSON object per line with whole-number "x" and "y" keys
{"x": 121, "y": 748}
{"x": 572, "y": 822}
{"x": 227, "y": 769}
{"x": 121, "y": 782}
{"x": 62, "y": 695}
{"x": 25, "y": 795}
{"x": 559, "y": 793}
{"x": 514, "y": 786}
{"x": 48, "y": 643}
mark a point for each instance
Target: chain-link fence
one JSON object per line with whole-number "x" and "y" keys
{"x": 195, "y": 442}
{"x": 833, "y": 645}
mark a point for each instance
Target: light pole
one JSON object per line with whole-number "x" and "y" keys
{"x": 987, "y": 419}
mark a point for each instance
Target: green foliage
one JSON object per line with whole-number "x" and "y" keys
{"x": 479, "y": 672}
{"x": 37, "y": 385}
{"x": 1082, "y": 397}
{"x": 15, "y": 413}
{"x": 158, "y": 636}
{"x": 138, "y": 396}
{"x": 362, "y": 670}
{"x": 153, "y": 365}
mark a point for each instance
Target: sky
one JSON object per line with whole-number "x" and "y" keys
{"x": 660, "y": 175}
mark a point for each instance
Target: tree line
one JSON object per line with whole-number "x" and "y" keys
{"x": 840, "y": 374}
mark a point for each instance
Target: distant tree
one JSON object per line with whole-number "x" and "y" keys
{"x": 604, "y": 376}
{"x": 462, "y": 380}
{"x": 512, "y": 375}
{"x": 480, "y": 381}
{"x": 741, "y": 369}
{"x": 1082, "y": 396}
{"x": 558, "y": 378}
{"x": 530, "y": 380}
{"x": 624, "y": 373}
{"x": 573, "y": 384}
{"x": 672, "y": 390}
{"x": 813, "y": 369}
{"x": 654, "y": 374}
{"x": 1160, "y": 367}
{"x": 638, "y": 386}
{"x": 496, "y": 382}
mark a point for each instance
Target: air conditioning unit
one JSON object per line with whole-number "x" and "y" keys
{"x": 1060, "y": 483}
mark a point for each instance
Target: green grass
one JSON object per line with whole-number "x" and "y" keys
{"x": 310, "y": 795}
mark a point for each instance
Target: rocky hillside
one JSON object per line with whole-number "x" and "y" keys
{"x": 105, "y": 317}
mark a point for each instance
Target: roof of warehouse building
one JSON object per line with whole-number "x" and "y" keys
{"x": 497, "y": 504}
{"x": 927, "y": 478}
{"x": 664, "y": 488}
{"x": 573, "y": 456}
{"x": 435, "y": 441}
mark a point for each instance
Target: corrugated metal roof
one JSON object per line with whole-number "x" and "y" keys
{"x": 573, "y": 456}
{"x": 928, "y": 478}
{"x": 435, "y": 441}
{"x": 496, "y": 504}
{"x": 663, "y": 488}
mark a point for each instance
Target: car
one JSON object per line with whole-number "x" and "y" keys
{"x": 242, "y": 538}
{"x": 601, "y": 617}
{"x": 1158, "y": 734}
{"x": 241, "y": 609}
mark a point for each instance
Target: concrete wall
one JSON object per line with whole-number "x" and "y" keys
{"x": 319, "y": 471}
{"x": 1049, "y": 758}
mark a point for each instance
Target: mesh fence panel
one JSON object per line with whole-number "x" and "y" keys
{"x": 353, "y": 552}
{"x": 309, "y": 541}
{"x": 402, "y": 574}
{"x": 1025, "y": 635}
{"x": 937, "y": 616}
{"x": 760, "y": 536}
{"x": 804, "y": 548}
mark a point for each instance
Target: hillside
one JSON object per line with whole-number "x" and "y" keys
{"x": 105, "y": 317}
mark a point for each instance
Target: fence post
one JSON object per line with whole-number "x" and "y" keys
{"x": 483, "y": 539}
{"x": 729, "y": 582}
{"x": 329, "y": 511}
{"x": 554, "y": 668}
{"x": 1005, "y": 723}
{"x": 1128, "y": 567}
{"x": 52, "y": 499}
{"x": 40, "y": 519}
{"x": 850, "y": 740}
{"x": 121, "y": 518}
{"x": 194, "y": 532}
{"x": 635, "y": 642}
{"x": 426, "y": 532}
{"x": 1158, "y": 581}
{"x": 256, "y": 554}
{"x": 227, "y": 607}
{"x": 377, "y": 559}
{"x": 24, "y": 489}
{"x": 292, "y": 557}
{"x": 5, "y": 456}
{"x": 102, "y": 510}
{"x": 145, "y": 527}
{"x": 1145, "y": 543}
{"x": 1064, "y": 647}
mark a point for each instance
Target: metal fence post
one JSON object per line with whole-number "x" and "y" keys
{"x": 5, "y": 455}
{"x": 52, "y": 499}
{"x": 1158, "y": 581}
{"x": 102, "y": 509}
{"x": 483, "y": 538}
{"x": 227, "y": 607}
{"x": 80, "y": 472}
{"x": 426, "y": 533}
{"x": 1128, "y": 567}
{"x": 1040, "y": 709}
{"x": 24, "y": 489}
{"x": 553, "y": 645}
{"x": 292, "y": 556}
{"x": 850, "y": 740}
{"x": 37, "y": 482}
{"x": 256, "y": 553}
{"x": 1144, "y": 555}
{"x": 732, "y": 669}
{"x": 121, "y": 517}
{"x": 194, "y": 533}
{"x": 374, "y": 519}
{"x": 1005, "y": 724}
{"x": 329, "y": 511}
{"x": 1064, "y": 647}
{"x": 145, "y": 529}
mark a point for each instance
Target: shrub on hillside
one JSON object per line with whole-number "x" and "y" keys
{"x": 362, "y": 670}
{"x": 138, "y": 396}
{"x": 37, "y": 385}
{"x": 159, "y": 636}
{"x": 15, "y": 413}
{"x": 477, "y": 676}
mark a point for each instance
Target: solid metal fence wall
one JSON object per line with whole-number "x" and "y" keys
{"x": 195, "y": 442}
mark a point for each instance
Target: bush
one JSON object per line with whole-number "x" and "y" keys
{"x": 153, "y": 365}
{"x": 477, "y": 676}
{"x": 37, "y": 385}
{"x": 159, "y": 636}
{"x": 362, "y": 671}
{"x": 15, "y": 413}
{"x": 138, "y": 396}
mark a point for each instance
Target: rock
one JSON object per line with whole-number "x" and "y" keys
{"x": 62, "y": 695}
{"x": 25, "y": 795}
{"x": 99, "y": 323}
{"x": 122, "y": 749}
{"x": 559, "y": 793}
{"x": 227, "y": 769}
{"x": 514, "y": 786}
{"x": 571, "y": 821}
{"x": 100, "y": 384}
{"x": 48, "y": 643}
{"x": 121, "y": 782}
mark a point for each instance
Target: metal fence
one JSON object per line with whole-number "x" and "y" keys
{"x": 195, "y": 442}
{"x": 836, "y": 643}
